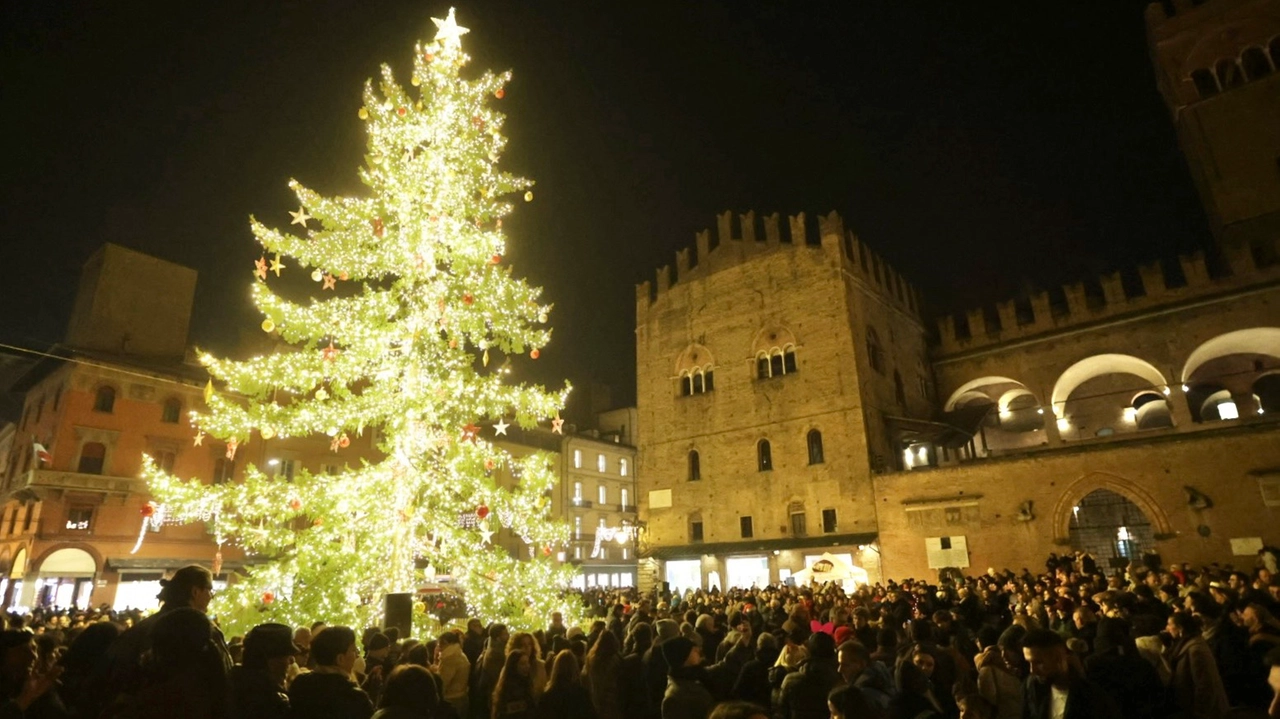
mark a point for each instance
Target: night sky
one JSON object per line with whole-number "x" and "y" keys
{"x": 982, "y": 148}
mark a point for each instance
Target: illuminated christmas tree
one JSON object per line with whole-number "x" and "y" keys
{"x": 410, "y": 331}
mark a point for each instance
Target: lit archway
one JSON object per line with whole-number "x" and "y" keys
{"x": 1098, "y": 366}
{"x": 1073, "y": 495}
{"x": 1253, "y": 341}
{"x": 68, "y": 561}
{"x": 967, "y": 390}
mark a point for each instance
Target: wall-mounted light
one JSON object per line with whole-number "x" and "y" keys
{"x": 1064, "y": 424}
{"x": 273, "y": 462}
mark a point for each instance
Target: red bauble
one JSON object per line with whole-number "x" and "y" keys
{"x": 148, "y": 510}
{"x": 534, "y": 353}
{"x": 344, "y": 441}
{"x": 428, "y": 56}
{"x": 295, "y": 504}
{"x": 378, "y": 227}
{"x": 401, "y": 110}
{"x": 488, "y": 464}
{"x": 268, "y": 597}
{"x": 496, "y": 259}
{"x": 343, "y": 276}
{"x": 546, "y": 551}
{"x": 500, "y": 93}
{"x": 482, "y": 511}
{"x": 468, "y": 299}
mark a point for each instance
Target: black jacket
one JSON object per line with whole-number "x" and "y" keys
{"x": 1085, "y": 700}
{"x": 328, "y": 696}
{"x": 1131, "y": 681}
{"x": 566, "y": 702}
{"x": 253, "y": 697}
{"x": 804, "y": 691}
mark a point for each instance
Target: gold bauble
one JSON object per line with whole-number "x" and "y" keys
{"x": 321, "y": 394}
{"x": 268, "y": 326}
{"x": 528, "y": 196}
{"x": 317, "y": 275}
{"x": 363, "y": 113}
{"x": 267, "y": 433}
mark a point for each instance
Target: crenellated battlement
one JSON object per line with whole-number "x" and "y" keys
{"x": 752, "y": 236}
{"x": 1113, "y": 294}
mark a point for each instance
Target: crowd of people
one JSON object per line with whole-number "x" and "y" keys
{"x": 1071, "y": 642}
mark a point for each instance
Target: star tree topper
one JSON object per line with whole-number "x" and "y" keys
{"x": 449, "y": 33}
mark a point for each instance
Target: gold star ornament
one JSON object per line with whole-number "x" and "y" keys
{"x": 448, "y": 32}
{"x": 300, "y": 217}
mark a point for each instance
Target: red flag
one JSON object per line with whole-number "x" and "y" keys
{"x": 42, "y": 454}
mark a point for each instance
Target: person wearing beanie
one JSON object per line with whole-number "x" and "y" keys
{"x": 685, "y": 696}
{"x": 804, "y": 691}
{"x": 258, "y": 684}
{"x": 655, "y": 667}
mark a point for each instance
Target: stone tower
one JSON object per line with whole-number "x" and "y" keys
{"x": 769, "y": 369}
{"x": 1218, "y": 67}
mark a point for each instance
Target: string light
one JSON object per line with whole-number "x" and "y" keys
{"x": 413, "y": 295}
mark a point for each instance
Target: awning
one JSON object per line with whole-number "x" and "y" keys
{"x": 750, "y": 546}
{"x": 954, "y": 429}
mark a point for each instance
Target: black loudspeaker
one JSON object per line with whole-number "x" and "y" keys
{"x": 398, "y": 609}
{"x": 666, "y": 588}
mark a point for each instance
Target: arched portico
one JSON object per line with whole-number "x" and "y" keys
{"x": 1098, "y": 366}
{"x": 1082, "y": 487}
{"x": 966, "y": 390}
{"x": 1252, "y": 341}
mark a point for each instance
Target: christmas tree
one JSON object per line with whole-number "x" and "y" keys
{"x": 410, "y": 332}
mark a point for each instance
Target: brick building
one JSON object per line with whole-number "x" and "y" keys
{"x": 780, "y": 382}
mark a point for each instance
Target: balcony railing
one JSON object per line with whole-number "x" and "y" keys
{"x": 48, "y": 479}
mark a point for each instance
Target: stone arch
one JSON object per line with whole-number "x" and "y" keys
{"x": 19, "y": 566}
{"x": 1009, "y": 396}
{"x": 1255, "y": 340}
{"x": 1098, "y": 366}
{"x": 694, "y": 357}
{"x": 1087, "y": 484}
{"x": 964, "y": 391}
{"x": 772, "y": 339}
{"x": 69, "y": 551}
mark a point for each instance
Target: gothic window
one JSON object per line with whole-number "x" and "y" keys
{"x": 828, "y": 521}
{"x": 695, "y": 466}
{"x": 695, "y": 527}
{"x": 92, "y": 457}
{"x": 172, "y": 411}
{"x": 1206, "y": 84}
{"x": 776, "y": 362}
{"x": 1255, "y": 63}
{"x": 764, "y": 456}
{"x": 899, "y": 392}
{"x": 1229, "y": 74}
{"x": 798, "y": 527}
{"x": 695, "y": 370}
{"x": 104, "y": 400}
{"x": 815, "y": 446}
{"x": 875, "y": 355}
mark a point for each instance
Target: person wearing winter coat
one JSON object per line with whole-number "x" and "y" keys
{"x": 603, "y": 676}
{"x": 804, "y": 691}
{"x": 258, "y": 684}
{"x": 997, "y": 685}
{"x": 455, "y": 672}
{"x": 1055, "y": 687}
{"x": 633, "y": 691}
{"x": 1196, "y": 687}
{"x": 752, "y": 684}
{"x": 565, "y": 696}
{"x": 870, "y": 677}
{"x": 686, "y": 697}
{"x": 328, "y": 692}
{"x": 655, "y": 667}
{"x": 1115, "y": 665}
{"x": 409, "y": 693}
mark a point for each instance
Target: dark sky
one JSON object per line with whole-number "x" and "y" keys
{"x": 978, "y": 146}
